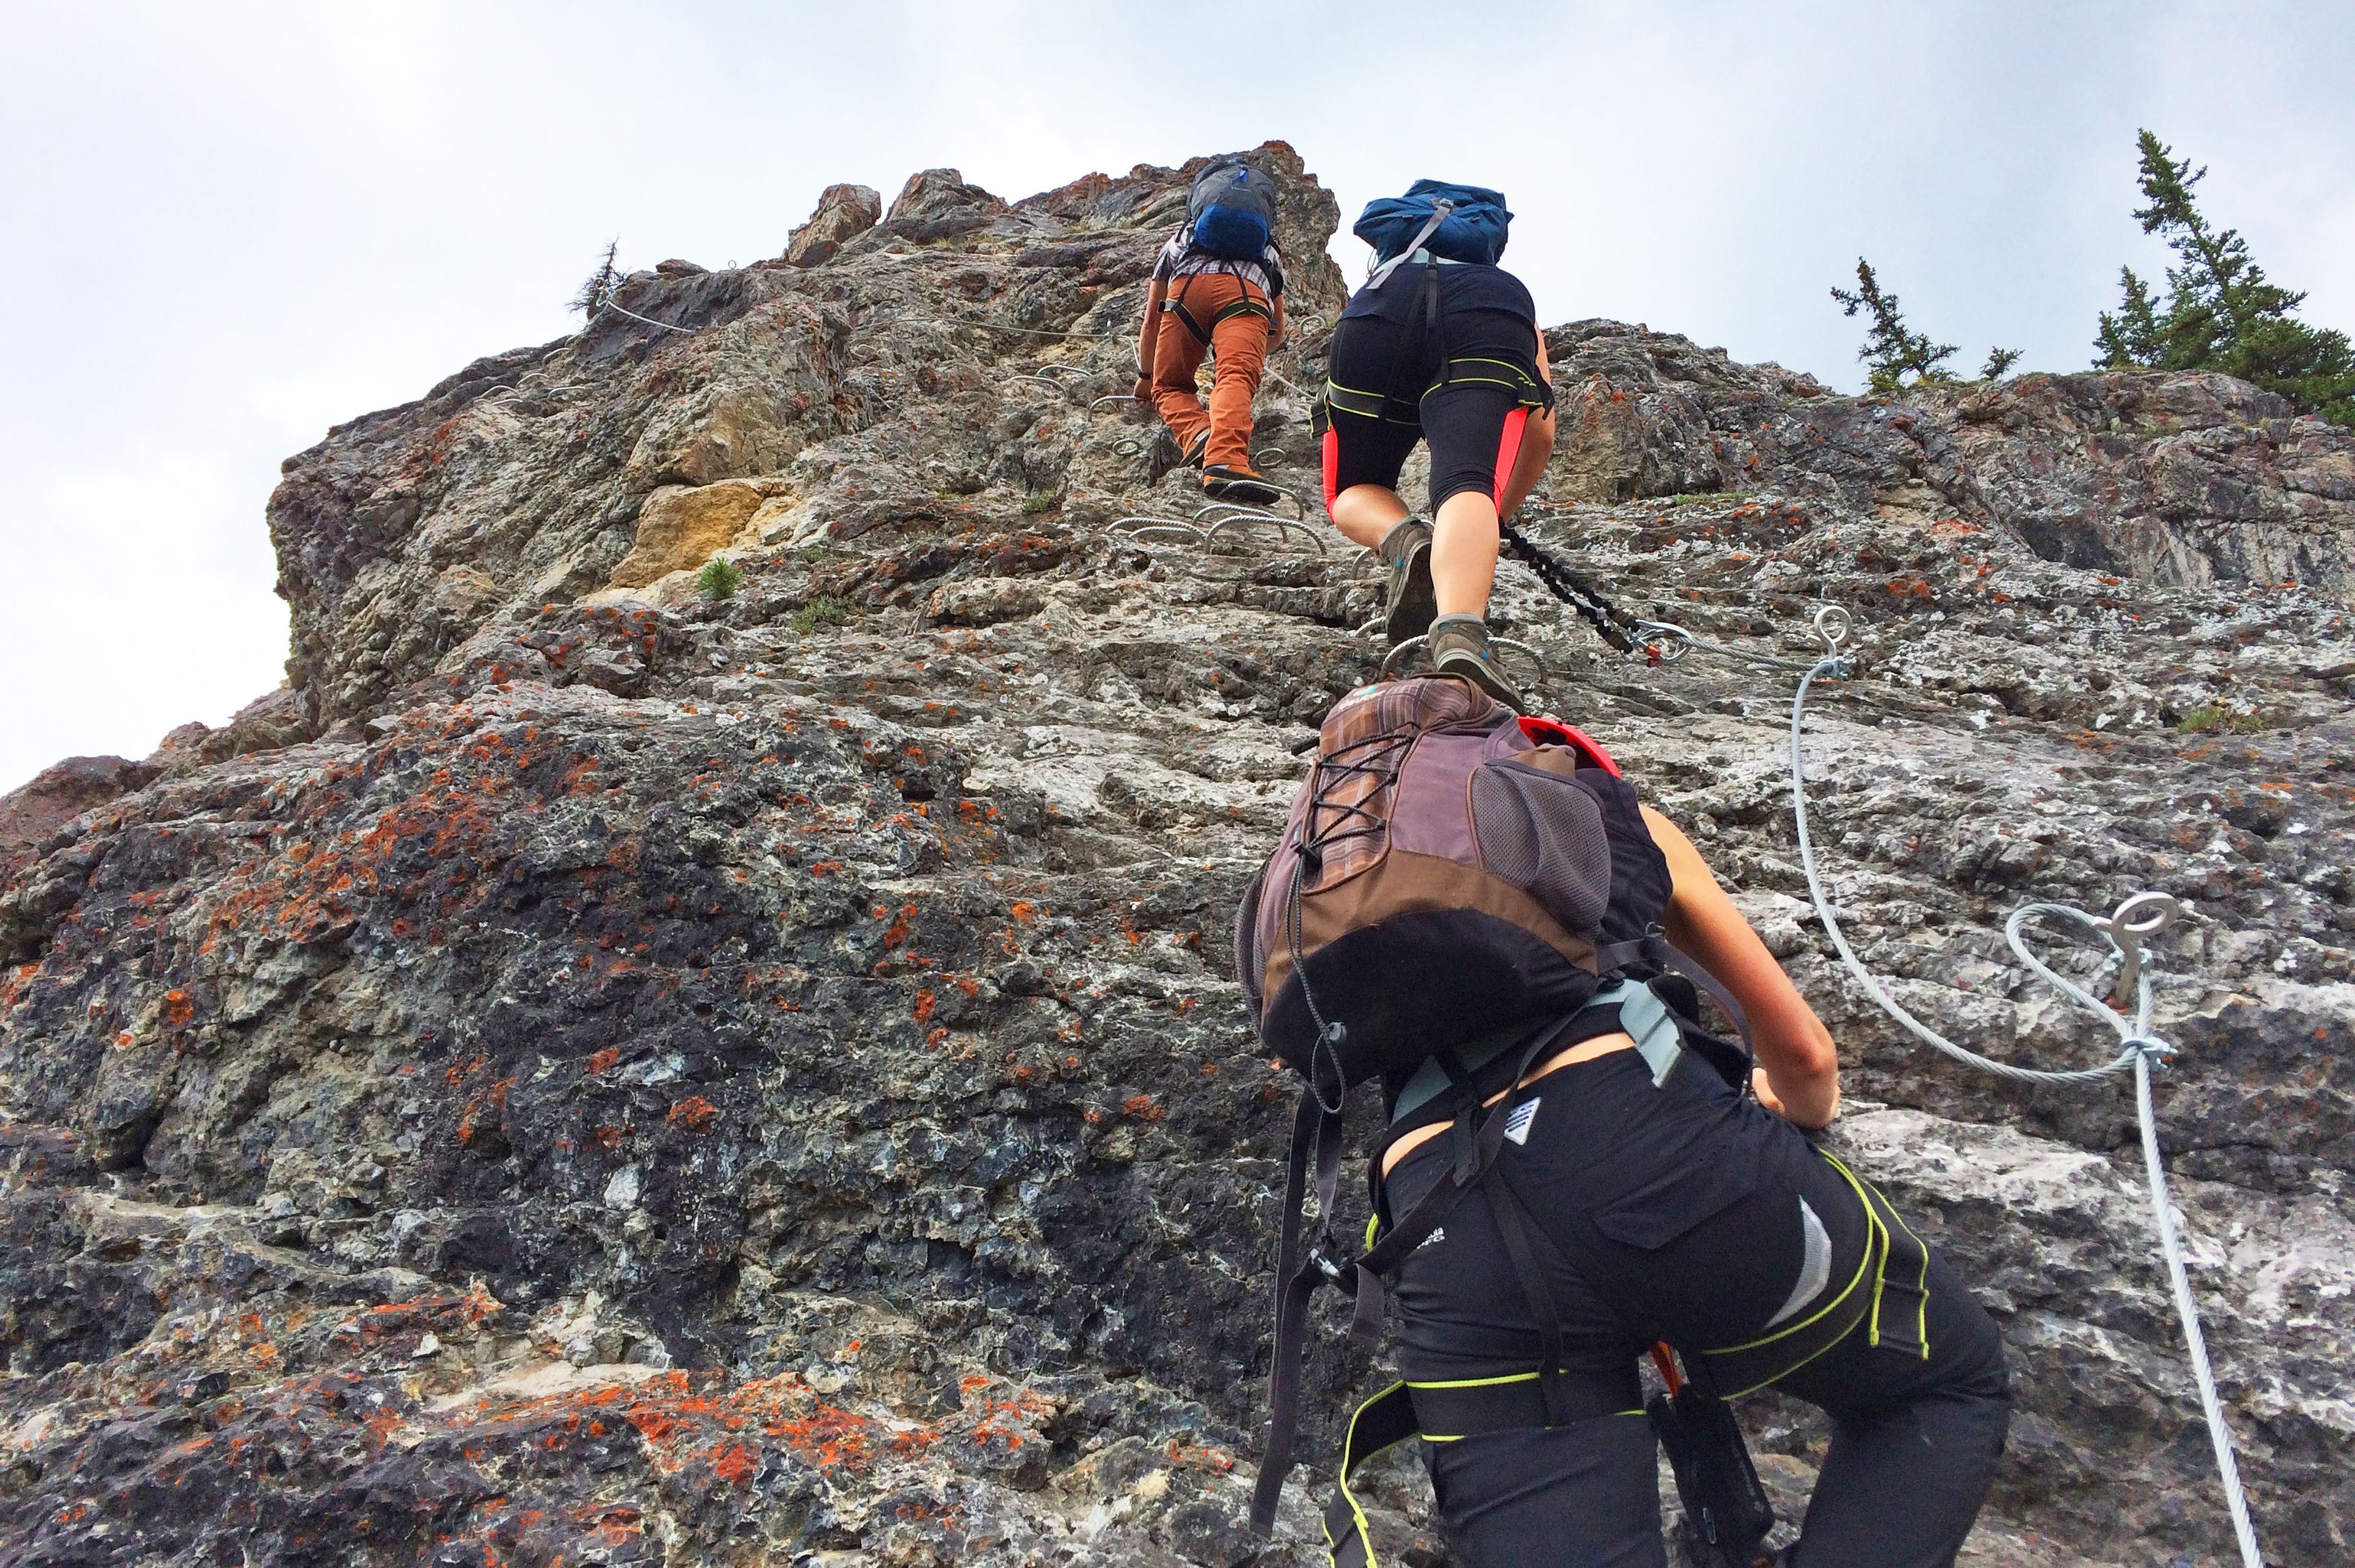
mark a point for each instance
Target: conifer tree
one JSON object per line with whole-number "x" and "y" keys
{"x": 1892, "y": 349}
{"x": 598, "y": 291}
{"x": 2221, "y": 312}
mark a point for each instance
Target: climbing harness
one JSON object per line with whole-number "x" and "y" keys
{"x": 2127, "y": 929}
{"x": 1654, "y": 643}
{"x": 1200, "y": 331}
{"x": 1612, "y": 625}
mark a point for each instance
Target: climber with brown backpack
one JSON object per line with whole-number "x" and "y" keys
{"x": 1440, "y": 346}
{"x": 1578, "y": 1176}
{"x": 1217, "y": 289}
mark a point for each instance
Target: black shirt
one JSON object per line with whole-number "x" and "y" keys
{"x": 1463, "y": 286}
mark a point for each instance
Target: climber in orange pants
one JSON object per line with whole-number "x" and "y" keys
{"x": 1233, "y": 311}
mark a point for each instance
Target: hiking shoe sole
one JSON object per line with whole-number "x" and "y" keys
{"x": 1231, "y": 487}
{"x": 1414, "y": 604}
{"x": 1482, "y": 673}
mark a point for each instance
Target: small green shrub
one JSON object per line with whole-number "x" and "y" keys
{"x": 1038, "y": 501}
{"x": 825, "y": 610}
{"x": 719, "y": 578}
{"x": 2216, "y": 717}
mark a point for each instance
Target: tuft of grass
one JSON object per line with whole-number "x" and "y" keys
{"x": 1038, "y": 501}
{"x": 2216, "y": 717}
{"x": 825, "y": 610}
{"x": 719, "y": 578}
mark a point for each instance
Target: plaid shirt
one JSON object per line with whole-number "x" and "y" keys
{"x": 1179, "y": 258}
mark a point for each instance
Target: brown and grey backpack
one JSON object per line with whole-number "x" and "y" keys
{"x": 1449, "y": 868}
{"x": 1451, "y": 875}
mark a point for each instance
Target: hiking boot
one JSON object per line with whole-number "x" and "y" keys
{"x": 1406, "y": 549}
{"x": 1459, "y": 646}
{"x": 1168, "y": 455}
{"x": 1236, "y": 482}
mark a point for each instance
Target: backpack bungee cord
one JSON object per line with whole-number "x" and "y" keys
{"x": 2141, "y": 916}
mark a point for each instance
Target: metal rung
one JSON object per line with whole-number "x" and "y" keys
{"x": 1264, "y": 519}
{"x": 1512, "y": 645}
{"x": 1141, "y": 527}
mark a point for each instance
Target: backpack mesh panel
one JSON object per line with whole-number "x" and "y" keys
{"x": 1640, "y": 884}
{"x": 1545, "y": 836}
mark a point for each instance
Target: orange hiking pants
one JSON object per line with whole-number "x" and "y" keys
{"x": 1239, "y": 349}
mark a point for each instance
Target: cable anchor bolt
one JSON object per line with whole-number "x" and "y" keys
{"x": 2130, "y": 926}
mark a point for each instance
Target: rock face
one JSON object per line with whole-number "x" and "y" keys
{"x": 591, "y": 1074}
{"x": 844, "y": 212}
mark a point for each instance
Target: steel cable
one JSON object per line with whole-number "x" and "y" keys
{"x": 2138, "y": 1047}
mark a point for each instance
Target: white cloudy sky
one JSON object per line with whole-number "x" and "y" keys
{"x": 237, "y": 224}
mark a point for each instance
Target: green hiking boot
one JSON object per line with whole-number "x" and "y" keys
{"x": 1406, "y": 549}
{"x": 1236, "y": 482}
{"x": 1459, "y": 646}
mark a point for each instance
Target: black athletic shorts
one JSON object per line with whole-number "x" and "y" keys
{"x": 1707, "y": 1221}
{"x": 1465, "y": 385}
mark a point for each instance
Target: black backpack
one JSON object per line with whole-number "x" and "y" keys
{"x": 1230, "y": 212}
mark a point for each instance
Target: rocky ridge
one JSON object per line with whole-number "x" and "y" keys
{"x": 589, "y": 1073}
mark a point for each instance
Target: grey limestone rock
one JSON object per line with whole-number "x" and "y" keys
{"x": 592, "y": 1074}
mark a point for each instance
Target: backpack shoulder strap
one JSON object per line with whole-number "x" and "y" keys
{"x": 1439, "y": 211}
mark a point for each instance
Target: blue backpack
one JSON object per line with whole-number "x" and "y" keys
{"x": 1460, "y": 222}
{"x": 1233, "y": 210}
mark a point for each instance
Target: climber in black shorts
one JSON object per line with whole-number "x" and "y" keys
{"x": 1443, "y": 349}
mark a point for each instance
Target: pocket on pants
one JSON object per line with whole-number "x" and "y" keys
{"x": 1683, "y": 1188}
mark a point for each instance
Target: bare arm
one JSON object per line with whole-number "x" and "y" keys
{"x": 1537, "y": 445}
{"x": 1276, "y": 324}
{"x": 1798, "y": 1073}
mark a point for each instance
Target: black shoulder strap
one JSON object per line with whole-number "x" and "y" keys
{"x": 1296, "y": 1279}
{"x": 1299, "y": 1272}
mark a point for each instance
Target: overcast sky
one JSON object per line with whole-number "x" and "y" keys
{"x": 235, "y": 225}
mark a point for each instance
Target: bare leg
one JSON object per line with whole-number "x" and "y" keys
{"x": 1464, "y": 553}
{"x": 1364, "y": 513}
